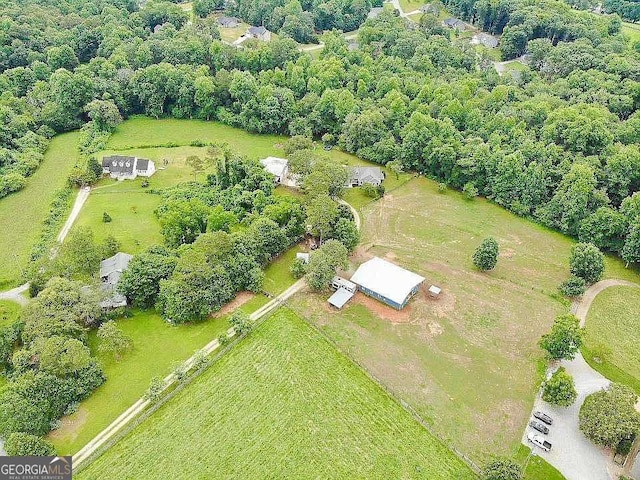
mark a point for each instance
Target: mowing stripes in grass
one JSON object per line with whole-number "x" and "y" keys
{"x": 282, "y": 404}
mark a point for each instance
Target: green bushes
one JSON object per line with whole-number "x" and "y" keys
{"x": 23, "y": 444}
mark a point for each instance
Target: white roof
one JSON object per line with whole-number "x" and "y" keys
{"x": 340, "y": 297}
{"x": 435, "y": 290}
{"x": 275, "y": 165}
{"x": 386, "y": 279}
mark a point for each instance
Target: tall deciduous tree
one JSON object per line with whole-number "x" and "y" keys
{"x": 609, "y": 416}
{"x": 565, "y": 338}
{"x": 586, "y": 262}
{"x": 560, "y": 389}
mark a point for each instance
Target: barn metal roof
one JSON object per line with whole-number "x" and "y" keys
{"x": 386, "y": 279}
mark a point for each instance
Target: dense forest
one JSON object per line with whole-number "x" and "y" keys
{"x": 557, "y": 143}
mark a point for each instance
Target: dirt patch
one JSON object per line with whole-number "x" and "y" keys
{"x": 241, "y": 299}
{"x": 507, "y": 253}
{"x": 383, "y": 311}
{"x": 390, "y": 256}
{"x": 442, "y": 305}
{"x": 70, "y": 425}
{"x": 435, "y": 329}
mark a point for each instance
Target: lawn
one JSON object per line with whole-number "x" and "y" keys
{"x": 230, "y": 35}
{"x": 466, "y": 362}
{"x": 9, "y": 312}
{"x": 631, "y": 30}
{"x": 157, "y": 346}
{"x": 536, "y": 467}
{"x": 612, "y": 335}
{"x": 22, "y": 213}
{"x": 283, "y": 403}
{"x": 277, "y": 275}
{"x": 409, "y": 6}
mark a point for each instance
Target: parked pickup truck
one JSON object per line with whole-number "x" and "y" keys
{"x": 539, "y": 441}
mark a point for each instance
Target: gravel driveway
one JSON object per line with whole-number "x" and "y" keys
{"x": 572, "y": 453}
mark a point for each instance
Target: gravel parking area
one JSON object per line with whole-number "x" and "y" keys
{"x": 572, "y": 453}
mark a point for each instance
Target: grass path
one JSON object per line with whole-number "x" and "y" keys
{"x": 283, "y": 403}
{"x": 22, "y": 213}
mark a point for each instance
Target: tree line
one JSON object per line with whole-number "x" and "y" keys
{"x": 557, "y": 144}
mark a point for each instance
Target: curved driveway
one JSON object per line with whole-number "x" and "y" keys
{"x": 576, "y": 457}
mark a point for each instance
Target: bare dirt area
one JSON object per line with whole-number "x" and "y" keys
{"x": 70, "y": 425}
{"x": 241, "y": 299}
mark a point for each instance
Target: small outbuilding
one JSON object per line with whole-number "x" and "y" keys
{"x": 430, "y": 8}
{"x": 340, "y": 297}
{"x": 339, "y": 282}
{"x": 434, "y": 291}
{"x": 278, "y": 167}
{"x": 387, "y": 282}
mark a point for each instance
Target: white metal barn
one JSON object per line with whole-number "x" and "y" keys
{"x": 387, "y": 282}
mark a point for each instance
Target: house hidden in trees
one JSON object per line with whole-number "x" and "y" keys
{"x": 387, "y": 282}
{"x": 259, "y": 33}
{"x": 278, "y": 167}
{"x": 228, "y": 22}
{"x": 110, "y": 272}
{"x": 361, "y": 175}
{"x": 127, "y": 168}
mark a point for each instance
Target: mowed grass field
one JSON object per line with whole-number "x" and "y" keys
{"x": 9, "y": 312}
{"x": 468, "y": 362}
{"x": 22, "y": 213}
{"x": 283, "y": 403}
{"x": 157, "y": 347}
{"x": 612, "y": 335}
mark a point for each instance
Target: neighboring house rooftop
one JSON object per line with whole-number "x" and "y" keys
{"x": 228, "y": 21}
{"x": 455, "y": 23}
{"x": 374, "y": 12}
{"x": 112, "y": 267}
{"x": 387, "y": 279}
{"x": 119, "y": 164}
{"x": 276, "y": 166}
{"x": 485, "y": 39}
{"x": 258, "y": 31}
{"x": 361, "y": 175}
{"x": 110, "y": 272}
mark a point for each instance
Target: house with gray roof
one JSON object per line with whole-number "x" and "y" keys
{"x": 228, "y": 22}
{"x": 361, "y": 175}
{"x": 485, "y": 39}
{"x": 259, "y": 33}
{"x": 455, "y": 23}
{"x": 123, "y": 167}
{"x": 110, "y": 272}
{"x": 430, "y": 8}
{"x": 374, "y": 12}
